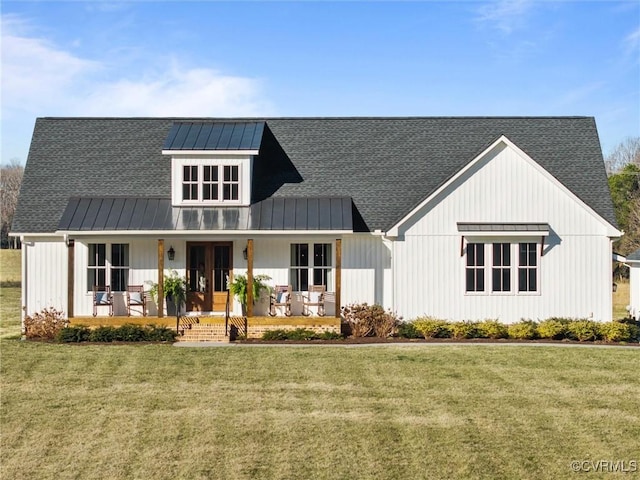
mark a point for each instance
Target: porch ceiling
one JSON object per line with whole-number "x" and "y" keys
{"x": 102, "y": 214}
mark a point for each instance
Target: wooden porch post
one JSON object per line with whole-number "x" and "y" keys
{"x": 70, "y": 276}
{"x": 160, "y": 277}
{"x": 250, "y": 277}
{"x": 338, "y": 276}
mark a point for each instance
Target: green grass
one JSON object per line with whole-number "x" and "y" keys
{"x": 156, "y": 411}
{"x": 9, "y": 293}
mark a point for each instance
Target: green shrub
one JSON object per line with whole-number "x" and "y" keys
{"x": 299, "y": 334}
{"x": 103, "y": 334}
{"x": 279, "y": 334}
{"x": 493, "y": 329}
{"x": 583, "y": 330}
{"x": 161, "y": 334}
{"x": 430, "y": 327}
{"x": 464, "y": 329}
{"x": 130, "y": 333}
{"x": 408, "y": 330}
{"x": 330, "y": 336}
{"x": 73, "y": 334}
{"x": 619, "y": 332}
{"x": 553, "y": 328}
{"x": 523, "y": 330}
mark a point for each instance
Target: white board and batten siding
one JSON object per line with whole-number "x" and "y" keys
{"x": 634, "y": 285}
{"x": 44, "y": 267}
{"x": 574, "y": 274}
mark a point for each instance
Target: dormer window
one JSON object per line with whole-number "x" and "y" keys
{"x": 211, "y": 163}
{"x": 211, "y": 183}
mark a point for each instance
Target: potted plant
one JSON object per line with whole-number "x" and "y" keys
{"x": 175, "y": 292}
{"x": 239, "y": 288}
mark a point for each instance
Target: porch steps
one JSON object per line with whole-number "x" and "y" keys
{"x": 203, "y": 332}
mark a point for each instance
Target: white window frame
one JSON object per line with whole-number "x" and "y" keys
{"x": 311, "y": 267}
{"x": 514, "y": 266}
{"x": 222, "y": 162}
{"x": 108, "y": 267}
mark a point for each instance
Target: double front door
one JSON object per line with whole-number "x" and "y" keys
{"x": 209, "y": 265}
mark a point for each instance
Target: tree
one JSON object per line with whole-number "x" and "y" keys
{"x": 625, "y": 193}
{"x": 627, "y": 152}
{"x": 10, "y": 181}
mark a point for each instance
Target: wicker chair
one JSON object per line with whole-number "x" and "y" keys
{"x": 136, "y": 297}
{"x": 281, "y": 297}
{"x": 102, "y": 297}
{"x": 314, "y": 298}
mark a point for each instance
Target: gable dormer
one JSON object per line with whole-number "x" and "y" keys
{"x": 212, "y": 162}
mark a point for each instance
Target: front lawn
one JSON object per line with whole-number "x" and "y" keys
{"x": 161, "y": 412}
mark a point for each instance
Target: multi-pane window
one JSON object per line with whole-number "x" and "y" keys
{"x": 114, "y": 267}
{"x": 119, "y": 266}
{"x": 230, "y": 183}
{"x": 475, "y": 267}
{"x": 210, "y": 183}
{"x": 304, "y": 272}
{"x": 514, "y": 267}
{"x": 190, "y": 182}
{"x": 501, "y": 271}
{"x": 97, "y": 269}
{"x": 527, "y": 267}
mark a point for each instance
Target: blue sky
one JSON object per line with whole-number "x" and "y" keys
{"x": 358, "y": 58}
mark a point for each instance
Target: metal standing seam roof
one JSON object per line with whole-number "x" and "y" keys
{"x": 93, "y": 214}
{"x": 502, "y": 227}
{"x": 214, "y": 136}
{"x": 634, "y": 257}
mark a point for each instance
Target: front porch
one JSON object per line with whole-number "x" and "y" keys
{"x": 208, "y": 328}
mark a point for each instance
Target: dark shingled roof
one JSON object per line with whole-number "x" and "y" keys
{"x": 386, "y": 165}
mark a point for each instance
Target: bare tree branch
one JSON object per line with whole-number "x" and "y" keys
{"x": 10, "y": 181}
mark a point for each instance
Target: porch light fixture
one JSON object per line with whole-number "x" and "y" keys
{"x": 171, "y": 253}
{"x": 245, "y": 253}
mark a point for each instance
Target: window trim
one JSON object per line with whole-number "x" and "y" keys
{"x": 243, "y": 163}
{"x": 108, "y": 266}
{"x": 514, "y": 267}
{"x": 311, "y": 267}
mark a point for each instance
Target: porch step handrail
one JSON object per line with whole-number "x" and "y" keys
{"x": 226, "y": 316}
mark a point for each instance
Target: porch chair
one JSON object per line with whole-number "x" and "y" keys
{"x": 102, "y": 297}
{"x": 281, "y": 297}
{"x": 136, "y": 297}
{"x": 314, "y": 298}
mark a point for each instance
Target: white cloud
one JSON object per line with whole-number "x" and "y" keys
{"x": 39, "y": 78}
{"x": 35, "y": 74}
{"x": 177, "y": 92}
{"x": 505, "y": 15}
{"x": 632, "y": 41}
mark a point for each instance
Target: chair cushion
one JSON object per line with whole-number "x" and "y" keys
{"x": 283, "y": 297}
{"x": 102, "y": 298}
{"x": 314, "y": 297}
{"x": 135, "y": 297}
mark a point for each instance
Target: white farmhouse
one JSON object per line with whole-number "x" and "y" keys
{"x": 459, "y": 218}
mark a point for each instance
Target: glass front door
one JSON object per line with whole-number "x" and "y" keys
{"x": 209, "y": 264}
